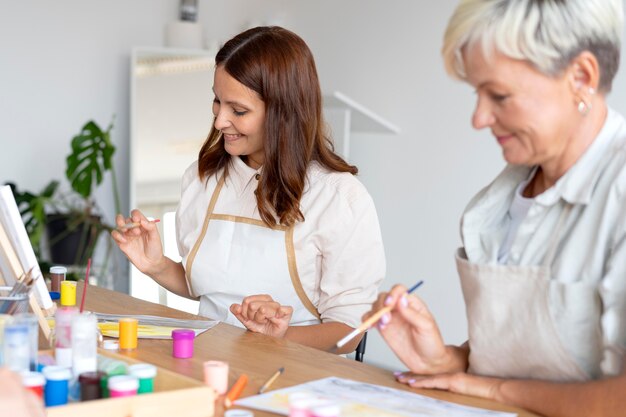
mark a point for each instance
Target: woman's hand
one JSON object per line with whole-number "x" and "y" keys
{"x": 412, "y": 333}
{"x": 261, "y": 314}
{"x": 15, "y": 399}
{"x": 142, "y": 245}
{"x": 457, "y": 382}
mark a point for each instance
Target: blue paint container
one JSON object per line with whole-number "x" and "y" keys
{"x": 57, "y": 385}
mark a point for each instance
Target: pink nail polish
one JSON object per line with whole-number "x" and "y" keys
{"x": 404, "y": 302}
{"x": 388, "y": 300}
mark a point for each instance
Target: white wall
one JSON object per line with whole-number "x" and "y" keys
{"x": 66, "y": 61}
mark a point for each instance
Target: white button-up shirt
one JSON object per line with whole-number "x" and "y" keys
{"x": 339, "y": 250}
{"x": 591, "y": 250}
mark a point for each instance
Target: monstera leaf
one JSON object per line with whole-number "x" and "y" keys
{"x": 91, "y": 157}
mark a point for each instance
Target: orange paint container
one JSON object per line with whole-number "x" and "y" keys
{"x": 128, "y": 333}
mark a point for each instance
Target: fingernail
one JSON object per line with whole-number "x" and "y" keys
{"x": 381, "y": 326}
{"x": 403, "y": 301}
{"x": 388, "y": 300}
{"x": 386, "y": 318}
{"x": 397, "y": 373}
{"x": 412, "y": 381}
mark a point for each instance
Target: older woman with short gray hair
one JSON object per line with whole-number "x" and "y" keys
{"x": 543, "y": 262}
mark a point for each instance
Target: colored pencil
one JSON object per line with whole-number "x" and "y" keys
{"x": 235, "y": 390}
{"x": 271, "y": 380}
{"x": 373, "y": 319}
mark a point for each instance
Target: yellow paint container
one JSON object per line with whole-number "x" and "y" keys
{"x": 68, "y": 293}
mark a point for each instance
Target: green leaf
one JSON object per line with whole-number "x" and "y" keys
{"x": 91, "y": 157}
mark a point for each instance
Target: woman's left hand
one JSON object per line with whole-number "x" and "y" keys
{"x": 457, "y": 382}
{"x": 261, "y": 314}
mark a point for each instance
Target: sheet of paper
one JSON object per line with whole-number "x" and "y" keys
{"x": 152, "y": 327}
{"x": 364, "y": 400}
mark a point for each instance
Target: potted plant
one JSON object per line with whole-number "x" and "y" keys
{"x": 72, "y": 222}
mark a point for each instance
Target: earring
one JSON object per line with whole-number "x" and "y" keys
{"x": 584, "y": 108}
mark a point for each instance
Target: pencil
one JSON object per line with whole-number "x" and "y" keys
{"x": 235, "y": 390}
{"x": 132, "y": 225}
{"x": 271, "y": 380}
{"x": 373, "y": 319}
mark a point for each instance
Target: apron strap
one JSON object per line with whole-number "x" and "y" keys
{"x": 554, "y": 243}
{"x": 205, "y": 225}
{"x": 295, "y": 278}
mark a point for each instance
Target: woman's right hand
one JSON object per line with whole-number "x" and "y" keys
{"x": 412, "y": 333}
{"x": 142, "y": 244}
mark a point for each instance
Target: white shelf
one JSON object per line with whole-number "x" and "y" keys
{"x": 362, "y": 118}
{"x": 345, "y": 115}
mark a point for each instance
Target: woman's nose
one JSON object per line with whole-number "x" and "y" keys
{"x": 221, "y": 121}
{"x": 483, "y": 115}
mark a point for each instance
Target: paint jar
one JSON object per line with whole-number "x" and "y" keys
{"x": 328, "y": 409}
{"x": 63, "y": 318}
{"x": 300, "y": 402}
{"x": 110, "y": 367}
{"x": 34, "y": 381}
{"x": 90, "y": 388}
{"x": 216, "y": 375}
{"x": 17, "y": 347}
{"x": 68, "y": 293}
{"x": 4, "y": 320}
{"x": 57, "y": 385}
{"x": 31, "y": 321}
{"x": 146, "y": 374}
{"x": 238, "y": 413}
{"x": 128, "y": 333}
{"x": 183, "y": 343}
{"x": 84, "y": 343}
{"x": 123, "y": 386}
{"x": 57, "y": 275}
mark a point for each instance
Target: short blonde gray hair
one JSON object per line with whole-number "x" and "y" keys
{"x": 546, "y": 33}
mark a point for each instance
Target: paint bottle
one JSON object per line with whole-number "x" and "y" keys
{"x": 84, "y": 343}
{"x": 123, "y": 386}
{"x": 328, "y": 409}
{"x": 57, "y": 385}
{"x": 68, "y": 293}
{"x": 90, "y": 388}
{"x": 4, "y": 320}
{"x": 182, "y": 346}
{"x": 128, "y": 333}
{"x": 216, "y": 375}
{"x": 146, "y": 373}
{"x": 34, "y": 381}
{"x": 30, "y": 320}
{"x": 17, "y": 347}
{"x": 63, "y": 335}
{"x": 110, "y": 367}
{"x": 57, "y": 274}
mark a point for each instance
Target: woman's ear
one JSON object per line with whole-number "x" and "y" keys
{"x": 584, "y": 74}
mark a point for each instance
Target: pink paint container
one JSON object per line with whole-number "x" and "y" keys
{"x": 183, "y": 343}
{"x": 216, "y": 375}
{"x": 123, "y": 386}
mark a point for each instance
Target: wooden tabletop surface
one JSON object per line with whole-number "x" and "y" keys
{"x": 254, "y": 354}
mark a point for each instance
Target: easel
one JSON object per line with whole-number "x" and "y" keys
{"x": 14, "y": 269}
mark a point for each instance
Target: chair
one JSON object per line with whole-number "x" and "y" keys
{"x": 360, "y": 349}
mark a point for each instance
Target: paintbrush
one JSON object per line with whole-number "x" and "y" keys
{"x": 370, "y": 321}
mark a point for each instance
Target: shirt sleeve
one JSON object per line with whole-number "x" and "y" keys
{"x": 353, "y": 258}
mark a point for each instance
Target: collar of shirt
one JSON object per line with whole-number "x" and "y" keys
{"x": 241, "y": 176}
{"x": 578, "y": 183}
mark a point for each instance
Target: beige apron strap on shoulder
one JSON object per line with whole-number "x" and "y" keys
{"x": 205, "y": 225}
{"x": 295, "y": 278}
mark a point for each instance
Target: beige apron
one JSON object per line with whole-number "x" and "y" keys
{"x": 519, "y": 320}
{"x": 235, "y": 257}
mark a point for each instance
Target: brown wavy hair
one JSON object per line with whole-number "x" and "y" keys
{"x": 278, "y": 65}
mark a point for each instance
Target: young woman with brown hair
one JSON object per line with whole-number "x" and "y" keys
{"x": 275, "y": 231}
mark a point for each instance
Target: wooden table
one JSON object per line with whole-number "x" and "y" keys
{"x": 257, "y": 355}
